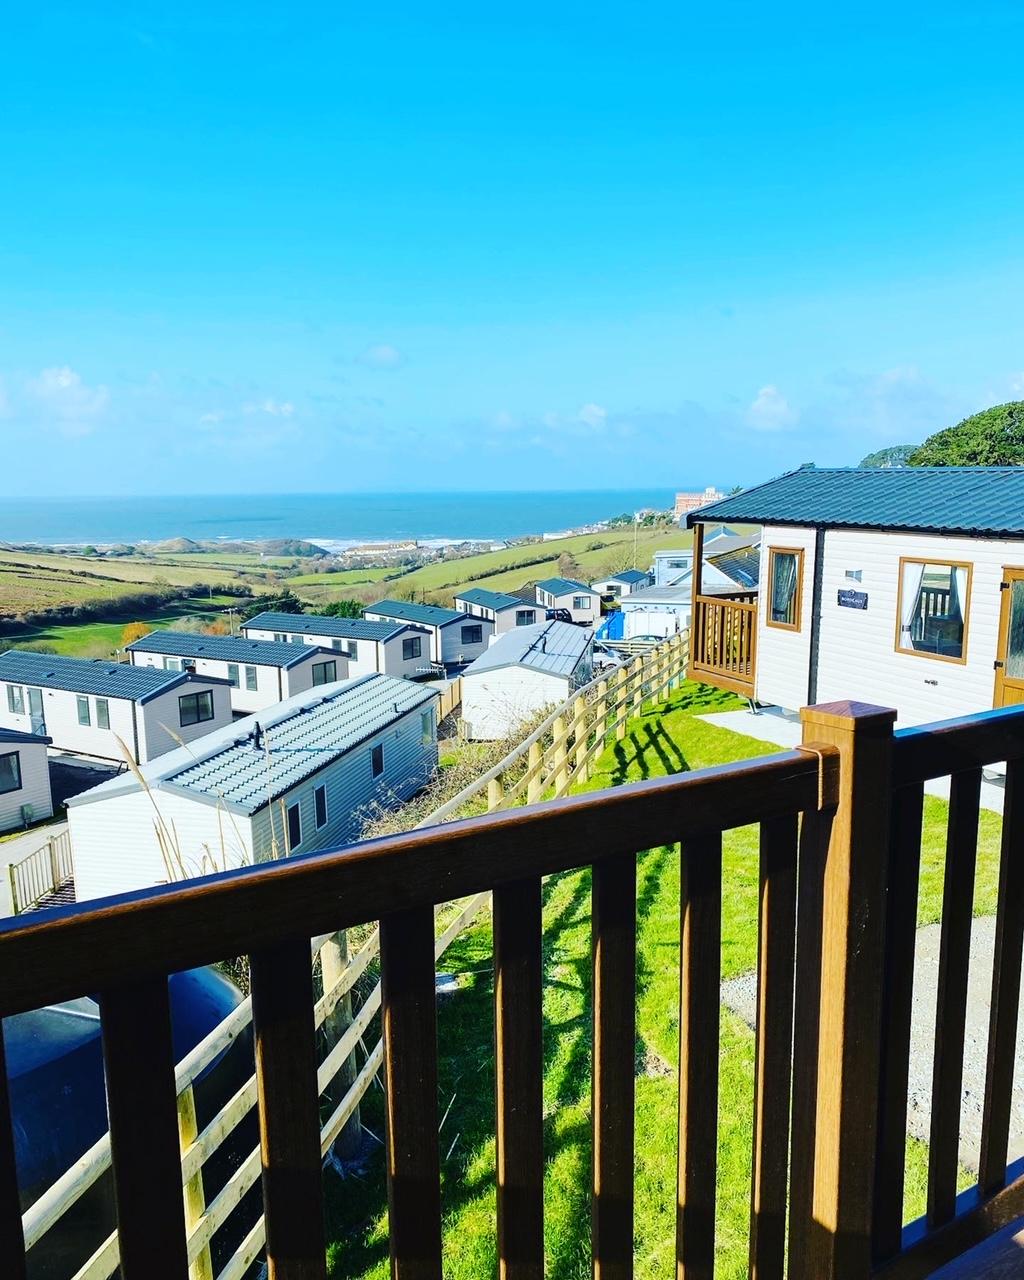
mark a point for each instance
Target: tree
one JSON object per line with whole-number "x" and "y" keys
{"x": 568, "y": 566}
{"x": 897, "y": 455}
{"x": 281, "y": 602}
{"x": 343, "y": 609}
{"x": 134, "y": 631}
{"x": 992, "y": 438}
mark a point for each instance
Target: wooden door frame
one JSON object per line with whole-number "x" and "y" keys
{"x": 1009, "y": 573}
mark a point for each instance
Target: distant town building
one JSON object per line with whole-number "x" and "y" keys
{"x": 686, "y": 502}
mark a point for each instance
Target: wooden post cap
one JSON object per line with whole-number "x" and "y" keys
{"x": 845, "y": 714}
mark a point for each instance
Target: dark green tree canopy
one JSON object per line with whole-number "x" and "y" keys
{"x": 992, "y": 438}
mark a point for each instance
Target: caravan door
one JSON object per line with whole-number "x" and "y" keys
{"x": 1010, "y": 653}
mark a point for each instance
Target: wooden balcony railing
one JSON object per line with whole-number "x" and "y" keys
{"x": 840, "y": 839}
{"x": 42, "y": 872}
{"x": 723, "y": 643}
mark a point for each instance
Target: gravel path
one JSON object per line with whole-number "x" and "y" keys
{"x": 740, "y": 996}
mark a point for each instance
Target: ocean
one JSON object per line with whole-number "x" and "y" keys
{"x": 333, "y": 518}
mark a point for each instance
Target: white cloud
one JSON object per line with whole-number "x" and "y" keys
{"x": 276, "y": 408}
{"x": 381, "y": 355}
{"x": 1017, "y": 383}
{"x": 771, "y": 411}
{"x": 593, "y": 415}
{"x": 62, "y": 399}
{"x": 210, "y": 419}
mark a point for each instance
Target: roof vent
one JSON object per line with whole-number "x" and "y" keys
{"x": 257, "y": 737}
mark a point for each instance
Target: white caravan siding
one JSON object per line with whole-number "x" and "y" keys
{"x": 369, "y": 656}
{"x": 454, "y": 649}
{"x": 858, "y": 657}
{"x": 783, "y": 657}
{"x": 35, "y": 785}
{"x": 115, "y": 848}
{"x": 353, "y": 794}
{"x": 273, "y": 684}
{"x": 60, "y": 713}
{"x": 497, "y": 702}
{"x": 160, "y": 727}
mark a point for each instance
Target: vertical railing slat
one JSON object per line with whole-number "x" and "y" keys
{"x": 289, "y": 1113}
{"x": 519, "y": 1074}
{"x": 951, "y": 996}
{"x": 138, "y": 1059}
{"x": 897, "y": 1000}
{"x": 774, "y": 1034}
{"x": 12, "y": 1238}
{"x": 699, "y": 1028}
{"x": 614, "y": 979}
{"x": 408, "y": 1005}
{"x": 1006, "y": 972}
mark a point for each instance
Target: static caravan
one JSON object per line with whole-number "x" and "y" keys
{"x": 450, "y": 639}
{"x": 258, "y": 672}
{"x": 302, "y": 776}
{"x": 24, "y": 779}
{"x": 901, "y": 587}
{"x": 581, "y": 601}
{"x": 505, "y": 612}
{"x": 618, "y": 585}
{"x": 85, "y": 706}
{"x": 523, "y": 672}
{"x": 371, "y": 648}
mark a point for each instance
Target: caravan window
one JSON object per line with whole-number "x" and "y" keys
{"x": 785, "y": 586}
{"x": 15, "y": 699}
{"x": 10, "y": 772}
{"x": 932, "y": 611}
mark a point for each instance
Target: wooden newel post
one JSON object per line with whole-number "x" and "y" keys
{"x": 836, "y": 1242}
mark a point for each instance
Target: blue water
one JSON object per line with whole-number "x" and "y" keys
{"x": 331, "y": 517}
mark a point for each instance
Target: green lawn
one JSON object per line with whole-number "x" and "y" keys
{"x": 100, "y": 639}
{"x": 656, "y": 743}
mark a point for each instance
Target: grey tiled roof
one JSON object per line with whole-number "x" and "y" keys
{"x": 183, "y": 644}
{"x": 424, "y": 615}
{"x": 563, "y": 586}
{"x": 554, "y": 647}
{"x": 963, "y": 500}
{"x": 322, "y": 625}
{"x": 627, "y": 576}
{"x": 496, "y": 600}
{"x": 86, "y": 675}
{"x": 297, "y": 737}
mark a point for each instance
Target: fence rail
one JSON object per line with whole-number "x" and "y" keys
{"x": 42, "y": 872}
{"x": 556, "y": 755}
{"x": 840, "y": 842}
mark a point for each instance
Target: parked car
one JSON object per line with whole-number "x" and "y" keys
{"x": 558, "y": 615}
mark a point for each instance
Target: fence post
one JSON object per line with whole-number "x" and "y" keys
{"x": 581, "y": 732}
{"x": 621, "y": 702}
{"x": 535, "y": 787}
{"x": 333, "y": 963}
{"x": 13, "y": 878}
{"x": 495, "y": 791}
{"x": 195, "y": 1197}
{"x": 834, "y": 1243}
{"x": 54, "y": 868}
{"x": 560, "y": 753}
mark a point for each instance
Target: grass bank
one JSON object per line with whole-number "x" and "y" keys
{"x": 656, "y": 743}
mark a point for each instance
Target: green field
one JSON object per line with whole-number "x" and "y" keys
{"x": 100, "y": 639}
{"x": 507, "y": 570}
{"x": 658, "y": 742}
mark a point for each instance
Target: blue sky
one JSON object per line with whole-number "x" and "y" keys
{"x": 328, "y": 247}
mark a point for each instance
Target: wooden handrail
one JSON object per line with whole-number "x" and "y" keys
{"x": 850, "y": 950}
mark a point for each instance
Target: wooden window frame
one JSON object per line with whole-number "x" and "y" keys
{"x": 798, "y": 595}
{"x": 923, "y": 653}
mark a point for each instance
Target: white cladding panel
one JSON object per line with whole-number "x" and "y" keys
{"x": 273, "y": 684}
{"x": 115, "y": 846}
{"x": 857, "y": 651}
{"x": 160, "y": 727}
{"x": 370, "y": 656}
{"x": 456, "y": 649}
{"x": 496, "y": 703}
{"x": 654, "y": 619}
{"x": 783, "y": 657}
{"x": 35, "y": 785}
{"x": 353, "y": 794}
{"x": 60, "y": 716}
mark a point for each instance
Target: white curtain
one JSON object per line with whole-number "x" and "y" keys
{"x": 913, "y": 576}
{"x": 958, "y": 605}
{"x": 783, "y": 585}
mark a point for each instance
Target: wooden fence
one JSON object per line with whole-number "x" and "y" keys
{"x": 557, "y": 754}
{"x": 840, "y": 849}
{"x": 723, "y": 645}
{"x": 43, "y": 871}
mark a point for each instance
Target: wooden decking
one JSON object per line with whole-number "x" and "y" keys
{"x": 839, "y": 858}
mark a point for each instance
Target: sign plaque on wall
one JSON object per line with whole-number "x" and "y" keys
{"x": 852, "y": 599}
